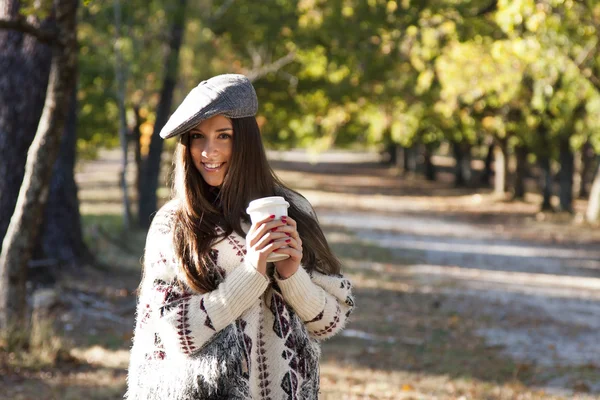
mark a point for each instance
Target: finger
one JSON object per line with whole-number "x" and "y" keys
{"x": 274, "y": 246}
{"x": 294, "y": 244}
{"x": 289, "y": 221}
{"x": 261, "y": 222}
{"x": 272, "y": 226}
{"x": 293, "y": 253}
{"x": 263, "y": 229}
{"x": 268, "y": 238}
{"x": 290, "y": 230}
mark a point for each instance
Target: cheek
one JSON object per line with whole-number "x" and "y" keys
{"x": 196, "y": 156}
{"x": 228, "y": 151}
{"x": 195, "y": 151}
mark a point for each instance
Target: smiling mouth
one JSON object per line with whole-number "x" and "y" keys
{"x": 212, "y": 167}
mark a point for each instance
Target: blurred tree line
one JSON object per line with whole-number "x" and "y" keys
{"x": 499, "y": 80}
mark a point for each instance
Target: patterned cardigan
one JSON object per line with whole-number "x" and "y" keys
{"x": 251, "y": 338}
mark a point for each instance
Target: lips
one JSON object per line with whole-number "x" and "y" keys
{"x": 212, "y": 167}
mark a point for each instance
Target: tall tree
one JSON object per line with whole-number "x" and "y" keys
{"x": 61, "y": 240}
{"x": 25, "y": 222}
{"x": 25, "y": 63}
{"x": 151, "y": 167}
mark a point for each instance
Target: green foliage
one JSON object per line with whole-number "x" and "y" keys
{"x": 370, "y": 72}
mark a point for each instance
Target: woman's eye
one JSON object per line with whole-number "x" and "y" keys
{"x": 225, "y": 136}
{"x": 197, "y": 136}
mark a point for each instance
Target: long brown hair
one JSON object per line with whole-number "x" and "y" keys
{"x": 203, "y": 209}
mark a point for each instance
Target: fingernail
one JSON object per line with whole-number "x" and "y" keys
{"x": 271, "y": 241}
{"x": 283, "y": 219}
{"x": 273, "y": 230}
{"x": 288, "y": 240}
{"x": 275, "y": 249}
{"x": 289, "y": 234}
{"x": 272, "y": 216}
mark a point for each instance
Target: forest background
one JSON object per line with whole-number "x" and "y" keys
{"x": 508, "y": 91}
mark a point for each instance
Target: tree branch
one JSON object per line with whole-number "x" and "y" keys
{"x": 260, "y": 71}
{"x": 222, "y": 10}
{"x": 20, "y": 24}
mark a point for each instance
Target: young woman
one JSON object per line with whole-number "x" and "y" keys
{"x": 214, "y": 319}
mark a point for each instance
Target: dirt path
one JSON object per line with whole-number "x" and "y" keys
{"x": 533, "y": 285}
{"x": 460, "y": 295}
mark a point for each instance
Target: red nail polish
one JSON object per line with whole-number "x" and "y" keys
{"x": 289, "y": 240}
{"x": 273, "y": 230}
{"x": 272, "y": 216}
{"x": 288, "y": 234}
{"x": 283, "y": 219}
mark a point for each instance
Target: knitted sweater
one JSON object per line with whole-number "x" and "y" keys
{"x": 251, "y": 338}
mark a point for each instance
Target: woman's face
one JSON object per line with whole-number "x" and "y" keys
{"x": 211, "y": 145}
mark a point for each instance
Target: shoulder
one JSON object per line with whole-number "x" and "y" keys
{"x": 165, "y": 216}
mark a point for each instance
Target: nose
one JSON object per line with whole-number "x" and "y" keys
{"x": 210, "y": 148}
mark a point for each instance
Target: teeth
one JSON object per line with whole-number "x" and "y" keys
{"x": 212, "y": 166}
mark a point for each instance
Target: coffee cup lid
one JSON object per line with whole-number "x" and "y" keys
{"x": 258, "y": 203}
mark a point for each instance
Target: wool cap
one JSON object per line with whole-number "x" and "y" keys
{"x": 231, "y": 95}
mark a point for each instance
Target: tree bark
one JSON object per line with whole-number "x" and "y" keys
{"x": 546, "y": 183}
{"x": 25, "y": 63}
{"x": 121, "y": 82}
{"x": 136, "y": 136}
{"x": 593, "y": 210}
{"x": 487, "y": 170}
{"x": 25, "y": 222}
{"x": 520, "y": 172}
{"x": 410, "y": 159}
{"x": 500, "y": 168}
{"x": 567, "y": 169}
{"x": 462, "y": 168}
{"x": 151, "y": 170}
{"x": 62, "y": 238}
{"x": 587, "y": 163}
{"x": 430, "y": 170}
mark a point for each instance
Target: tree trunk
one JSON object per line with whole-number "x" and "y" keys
{"x": 62, "y": 238}
{"x": 459, "y": 179}
{"x": 25, "y": 222}
{"x": 587, "y": 164}
{"x": 121, "y": 81}
{"x": 500, "y": 168}
{"x": 25, "y": 63}
{"x": 136, "y": 136}
{"x": 487, "y": 170}
{"x": 593, "y": 210}
{"x": 430, "y": 171}
{"x": 151, "y": 171}
{"x": 389, "y": 154}
{"x": 567, "y": 169}
{"x": 546, "y": 183}
{"x": 520, "y": 172}
{"x": 462, "y": 168}
{"x": 410, "y": 159}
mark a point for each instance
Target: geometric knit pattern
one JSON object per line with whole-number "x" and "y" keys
{"x": 254, "y": 337}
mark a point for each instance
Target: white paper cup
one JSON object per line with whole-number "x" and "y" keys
{"x": 262, "y": 208}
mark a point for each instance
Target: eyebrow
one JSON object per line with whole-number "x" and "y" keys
{"x": 218, "y": 130}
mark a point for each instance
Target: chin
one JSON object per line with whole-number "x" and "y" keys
{"x": 213, "y": 182}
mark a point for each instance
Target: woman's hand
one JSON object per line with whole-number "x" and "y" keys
{"x": 288, "y": 267}
{"x": 262, "y": 239}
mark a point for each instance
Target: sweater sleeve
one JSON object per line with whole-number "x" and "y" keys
{"x": 185, "y": 320}
{"x": 323, "y": 302}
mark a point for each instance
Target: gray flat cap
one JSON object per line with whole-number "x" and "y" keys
{"x": 231, "y": 95}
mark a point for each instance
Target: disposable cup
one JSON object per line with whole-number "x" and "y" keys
{"x": 264, "y": 207}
